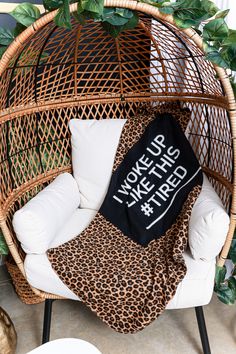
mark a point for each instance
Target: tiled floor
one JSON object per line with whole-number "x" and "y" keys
{"x": 175, "y": 332}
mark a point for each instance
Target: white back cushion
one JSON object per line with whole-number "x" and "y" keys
{"x": 94, "y": 144}
{"x": 208, "y": 224}
{"x": 39, "y": 221}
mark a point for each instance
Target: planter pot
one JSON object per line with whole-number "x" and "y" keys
{"x": 7, "y": 334}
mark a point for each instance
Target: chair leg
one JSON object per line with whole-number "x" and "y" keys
{"x": 47, "y": 320}
{"x": 202, "y": 330}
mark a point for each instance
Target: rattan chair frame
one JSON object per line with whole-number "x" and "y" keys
{"x": 8, "y": 113}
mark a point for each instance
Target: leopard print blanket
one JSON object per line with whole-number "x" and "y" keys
{"x": 125, "y": 284}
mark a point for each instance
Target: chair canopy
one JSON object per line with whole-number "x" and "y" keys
{"x": 50, "y": 74}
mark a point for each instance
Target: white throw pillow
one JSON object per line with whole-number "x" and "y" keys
{"x": 39, "y": 221}
{"x": 94, "y": 144}
{"x": 208, "y": 225}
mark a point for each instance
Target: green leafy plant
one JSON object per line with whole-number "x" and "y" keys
{"x": 25, "y": 14}
{"x": 225, "y": 288}
{"x": 3, "y": 246}
{"x": 202, "y": 15}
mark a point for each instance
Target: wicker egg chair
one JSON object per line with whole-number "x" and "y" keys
{"x": 49, "y": 75}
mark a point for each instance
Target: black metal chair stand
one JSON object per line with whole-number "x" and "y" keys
{"x": 47, "y": 320}
{"x": 203, "y": 330}
{"x": 198, "y": 310}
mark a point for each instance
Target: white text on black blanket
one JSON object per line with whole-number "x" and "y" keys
{"x": 136, "y": 184}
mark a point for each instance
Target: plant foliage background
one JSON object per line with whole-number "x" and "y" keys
{"x": 202, "y": 15}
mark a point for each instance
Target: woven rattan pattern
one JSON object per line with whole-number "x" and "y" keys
{"x": 55, "y": 75}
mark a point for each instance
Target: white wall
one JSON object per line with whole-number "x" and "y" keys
{"x": 228, "y": 4}
{"x": 6, "y": 7}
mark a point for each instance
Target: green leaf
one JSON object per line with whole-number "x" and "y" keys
{"x": 2, "y": 50}
{"x": 18, "y": 29}
{"x": 220, "y": 275}
{"x": 231, "y": 39}
{"x": 3, "y": 245}
{"x": 215, "y": 30}
{"x": 161, "y": 2}
{"x": 209, "y": 48}
{"x": 63, "y": 16}
{"x": 195, "y": 15}
{"x": 185, "y": 23}
{"x": 79, "y": 17}
{"x": 168, "y": 10}
{"x": 93, "y": 5}
{"x": 189, "y": 13}
{"x": 231, "y": 55}
{"x": 126, "y": 13}
{"x": 108, "y": 12}
{"x": 88, "y": 14}
{"x": 216, "y": 58}
{"x": 234, "y": 236}
{"x": 155, "y": 3}
{"x": 190, "y": 10}
{"x": 232, "y": 251}
{"x": 80, "y": 10}
{"x": 6, "y": 36}
{"x": 232, "y": 284}
{"x": 222, "y": 14}
{"x": 25, "y": 14}
{"x": 116, "y": 16}
{"x": 185, "y": 4}
{"x": 231, "y": 32}
{"x": 233, "y": 84}
{"x": 132, "y": 23}
{"x": 114, "y": 31}
{"x": 52, "y": 4}
{"x": 95, "y": 16}
{"x": 116, "y": 20}
{"x": 226, "y": 295}
{"x": 234, "y": 271}
{"x": 210, "y": 7}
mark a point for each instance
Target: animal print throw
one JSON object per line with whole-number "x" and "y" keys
{"x": 127, "y": 264}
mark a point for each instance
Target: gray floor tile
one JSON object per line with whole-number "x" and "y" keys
{"x": 175, "y": 332}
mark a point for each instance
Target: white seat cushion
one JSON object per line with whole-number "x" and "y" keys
{"x": 37, "y": 266}
{"x": 195, "y": 290}
{"x": 37, "y": 223}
